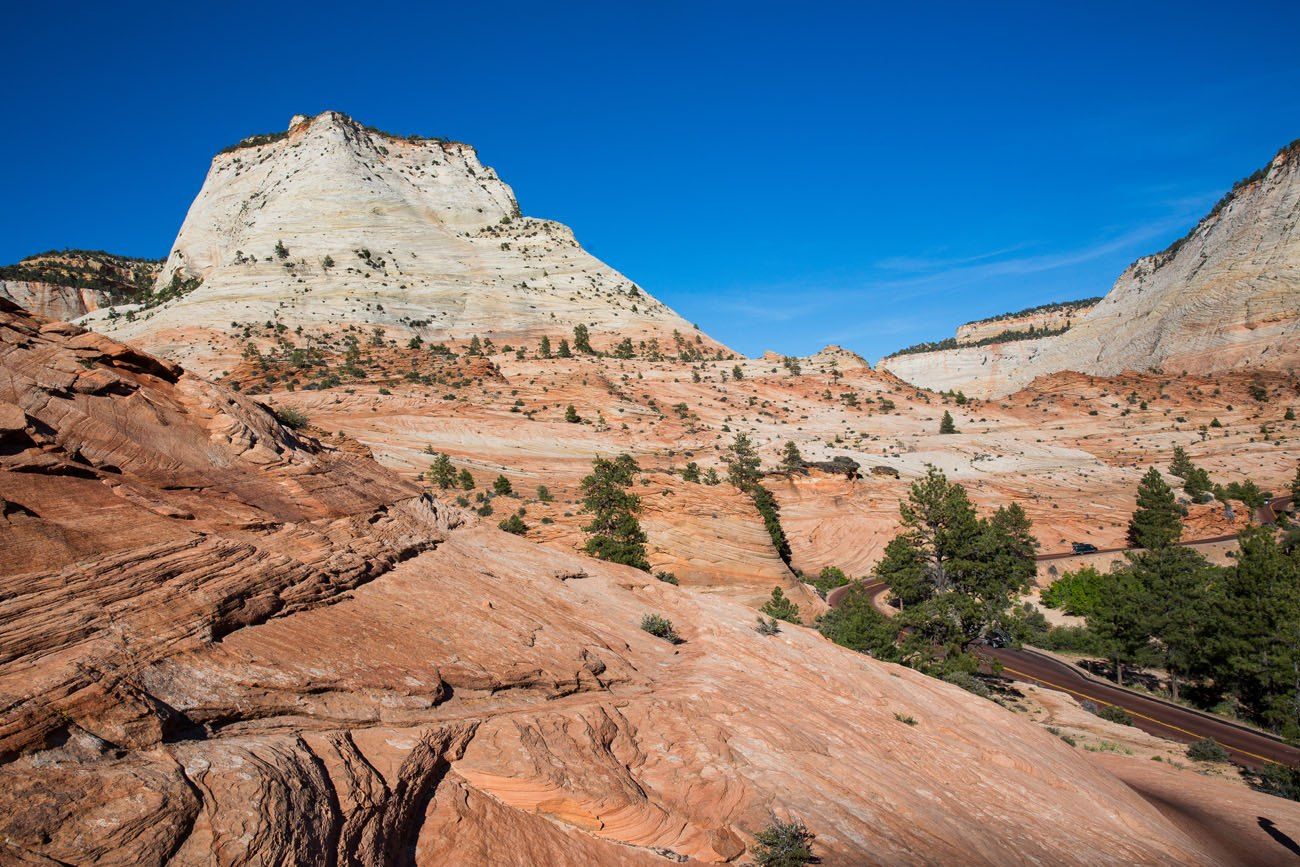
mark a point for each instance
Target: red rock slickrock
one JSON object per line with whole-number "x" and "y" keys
{"x": 224, "y": 642}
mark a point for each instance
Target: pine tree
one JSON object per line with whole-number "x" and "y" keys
{"x": 1181, "y": 465}
{"x": 1175, "y": 581}
{"x": 691, "y": 472}
{"x": 781, "y": 608}
{"x": 737, "y": 374}
{"x": 902, "y": 567}
{"x": 441, "y": 472}
{"x": 475, "y": 346}
{"x": 571, "y": 415}
{"x": 544, "y": 350}
{"x": 711, "y": 477}
{"x": 1120, "y": 619}
{"x": 564, "y": 351}
{"x": 614, "y": 534}
{"x": 742, "y": 463}
{"x": 791, "y": 459}
{"x": 544, "y": 494}
{"x": 581, "y": 340}
{"x": 1197, "y": 484}
{"x": 1157, "y": 521}
{"x": 940, "y": 523}
{"x": 502, "y": 487}
{"x": 466, "y": 480}
{"x": 946, "y": 424}
{"x": 1002, "y": 563}
{"x": 1256, "y": 647}
{"x": 1295, "y": 489}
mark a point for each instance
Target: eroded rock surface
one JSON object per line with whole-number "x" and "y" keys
{"x": 222, "y": 642}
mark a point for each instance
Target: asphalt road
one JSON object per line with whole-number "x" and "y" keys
{"x": 1248, "y": 747}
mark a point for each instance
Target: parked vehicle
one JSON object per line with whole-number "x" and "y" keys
{"x": 1084, "y": 548}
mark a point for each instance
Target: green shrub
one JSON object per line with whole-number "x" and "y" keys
{"x": 1276, "y": 780}
{"x": 830, "y": 578}
{"x": 1207, "y": 750}
{"x": 667, "y": 577}
{"x": 1110, "y": 713}
{"x": 291, "y": 417}
{"x": 660, "y": 627}
{"x": 1076, "y": 592}
{"x": 767, "y": 626}
{"x": 783, "y": 844}
{"x": 856, "y": 624}
{"x": 780, "y": 607}
{"x": 1074, "y": 639}
{"x": 515, "y": 525}
{"x": 968, "y": 682}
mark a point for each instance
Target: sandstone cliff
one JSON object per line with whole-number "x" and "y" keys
{"x": 54, "y": 301}
{"x": 1047, "y": 318}
{"x": 336, "y": 222}
{"x": 66, "y": 284}
{"x": 1226, "y": 296}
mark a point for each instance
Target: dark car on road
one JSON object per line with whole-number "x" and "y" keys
{"x": 1084, "y": 548}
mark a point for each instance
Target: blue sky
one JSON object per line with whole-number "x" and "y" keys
{"x": 785, "y": 175}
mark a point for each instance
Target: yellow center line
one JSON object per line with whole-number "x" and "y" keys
{"x": 1134, "y": 713}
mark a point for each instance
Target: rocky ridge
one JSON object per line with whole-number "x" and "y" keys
{"x": 1224, "y": 297}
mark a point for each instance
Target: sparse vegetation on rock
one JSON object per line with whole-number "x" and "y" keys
{"x": 783, "y": 844}
{"x": 660, "y": 627}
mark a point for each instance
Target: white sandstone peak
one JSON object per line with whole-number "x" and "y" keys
{"x": 333, "y": 224}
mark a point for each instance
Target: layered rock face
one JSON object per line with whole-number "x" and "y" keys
{"x": 335, "y": 222}
{"x": 1225, "y": 297}
{"x": 225, "y": 642}
{"x": 56, "y": 302}
{"x": 1053, "y": 318}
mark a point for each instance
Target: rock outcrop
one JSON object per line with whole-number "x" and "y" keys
{"x": 57, "y": 302}
{"x": 1045, "y": 318}
{"x": 223, "y": 642}
{"x": 66, "y": 284}
{"x": 1226, "y": 296}
{"x": 336, "y": 222}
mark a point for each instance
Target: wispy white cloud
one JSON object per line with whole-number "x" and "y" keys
{"x": 931, "y": 263}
